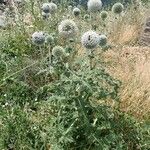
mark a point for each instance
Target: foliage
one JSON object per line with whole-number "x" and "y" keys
{"x": 53, "y": 97}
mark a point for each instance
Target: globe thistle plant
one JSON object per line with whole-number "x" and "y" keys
{"x": 90, "y": 39}
{"x": 94, "y": 5}
{"x": 104, "y": 15}
{"x": 76, "y": 11}
{"x": 67, "y": 28}
{"x": 38, "y": 38}
{"x": 117, "y": 8}
{"x": 102, "y": 40}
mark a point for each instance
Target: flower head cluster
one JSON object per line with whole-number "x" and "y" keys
{"x": 90, "y": 39}
{"x": 94, "y": 5}
{"x": 67, "y": 28}
{"x": 117, "y": 8}
{"x": 38, "y": 38}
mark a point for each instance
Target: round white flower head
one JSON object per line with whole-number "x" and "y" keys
{"x": 49, "y": 8}
{"x": 53, "y": 8}
{"x": 76, "y": 11}
{"x": 117, "y": 8}
{"x": 67, "y": 28}
{"x": 46, "y": 8}
{"x": 94, "y": 5}
{"x": 90, "y": 39}
{"x": 58, "y": 52}
{"x": 102, "y": 40}
{"x": 38, "y": 38}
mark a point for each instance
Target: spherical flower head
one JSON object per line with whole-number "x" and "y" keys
{"x": 117, "y": 8}
{"x": 53, "y": 8}
{"x": 58, "y": 52}
{"x": 49, "y": 39}
{"x": 86, "y": 16}
{"x": 46, "y": 8}
{"x": 38, "y": 38}
{"x": 104, "y": 15}
{"x": 90, "y": 39}
{"x": 67, "y": 28}
{"x": 94, "y": 5}
{"x": 76, "y": 11}
{"x": 102, "y": 40}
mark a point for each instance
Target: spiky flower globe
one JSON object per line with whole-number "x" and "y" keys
{"x": 53, "y": 8}
{"x": 90, "y": 39}
{"x": 76, "y": 11}
{"x": 58, "y": 52}
{"x": 102, "y": 40}
{"x": 49, "y": 8}
{"x": 117, "y": 8}
{"x": 67, "y": 28}
{"x": 86, "y": 16}
{"x": 38, "y": 38}
{"x": 94, "y": 5}
{"x": 49, "y": 39}
{"x": 46, "y": 8}
{"x": 104, "y": 15}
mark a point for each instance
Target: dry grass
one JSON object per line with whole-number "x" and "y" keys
{"x": 132, "y": 66}
{"x": 129, "y": 34}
